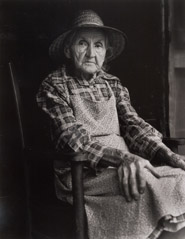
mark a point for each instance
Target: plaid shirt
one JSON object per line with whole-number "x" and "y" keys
{"x": 54, "y": 98}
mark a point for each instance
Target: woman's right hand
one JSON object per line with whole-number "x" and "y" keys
{"x": 131, "y": 178}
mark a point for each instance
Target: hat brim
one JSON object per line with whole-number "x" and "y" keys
{"x": 117, "y": 41}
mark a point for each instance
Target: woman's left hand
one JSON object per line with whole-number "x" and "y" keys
{"x": 177, "y": 161}
{"x": 170, "y": 158}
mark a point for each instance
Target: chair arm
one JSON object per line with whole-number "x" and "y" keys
{"x": 77, "y": 163}
{"x": 78, "y": 198}
{"x": 173, "y": 143}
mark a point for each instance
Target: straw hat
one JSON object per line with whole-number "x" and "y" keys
{"x": 89, "y": 19}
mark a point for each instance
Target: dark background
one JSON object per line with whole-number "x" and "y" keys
{"x": 27, "y": 28}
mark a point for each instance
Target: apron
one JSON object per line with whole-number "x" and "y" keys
{"x": 100, "y": 119}
{"x": 109, "y": 216}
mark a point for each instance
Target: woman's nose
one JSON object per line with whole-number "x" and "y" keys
{"x": 90, "y": 51}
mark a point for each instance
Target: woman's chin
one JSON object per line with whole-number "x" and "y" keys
{"x": 90, "y": 69}
{"x": 89, "y": 73}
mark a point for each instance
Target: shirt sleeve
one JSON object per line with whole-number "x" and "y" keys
{"x": 67, "y": 133}
{"x": 141, "y": 138}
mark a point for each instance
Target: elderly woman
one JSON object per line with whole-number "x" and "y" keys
{"x": 90, "y": 112}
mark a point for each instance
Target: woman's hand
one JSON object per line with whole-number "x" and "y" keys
{"x": 176, "y": 160}
{"x": 131, "y": 178}
{"x": 170, "y": 158}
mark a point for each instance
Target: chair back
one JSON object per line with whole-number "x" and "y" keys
{"x": 18, "y": 105}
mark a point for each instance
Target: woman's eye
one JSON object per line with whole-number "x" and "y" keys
{"x": 98, "y": 45}
{"x": 82, "y": 43}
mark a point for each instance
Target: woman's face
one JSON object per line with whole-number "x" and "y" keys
{"x": 88, "y": 51}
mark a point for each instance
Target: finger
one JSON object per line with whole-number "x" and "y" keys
{"x": 133, "y": 182}
{"x": 141, "y": 179}
{"x": 120, "y": 173}
{"x": 181, "y": 164}
{"x": 152, "y": 170}
{"x": 125, "y": 184}
{"x": 120, "y": 176}
{"x": 178, "y": 161}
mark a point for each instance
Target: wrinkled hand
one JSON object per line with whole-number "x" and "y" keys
{"x": 131, "y": 178}
{"x": 177, "y": 161}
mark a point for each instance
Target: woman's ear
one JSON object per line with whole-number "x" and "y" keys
{"x": 67, "y": 52}
{"x": 109, "y": 52}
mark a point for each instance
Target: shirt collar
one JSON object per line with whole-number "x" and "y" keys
{"x": 99, "y": 79}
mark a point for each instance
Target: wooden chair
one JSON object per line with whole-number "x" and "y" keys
{"x": 45, "y": 157}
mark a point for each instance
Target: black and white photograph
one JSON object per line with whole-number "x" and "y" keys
{"x": 92, "y": 119}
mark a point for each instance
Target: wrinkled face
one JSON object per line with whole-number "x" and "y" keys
{"x": 88, "y": 51}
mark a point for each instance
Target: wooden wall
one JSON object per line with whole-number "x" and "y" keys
{"x": 177, "y": 70}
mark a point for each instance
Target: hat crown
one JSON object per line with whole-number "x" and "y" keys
{"x": 87, "y": 17}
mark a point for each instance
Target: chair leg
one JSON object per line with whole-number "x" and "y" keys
{"x": 78, "y": 199}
